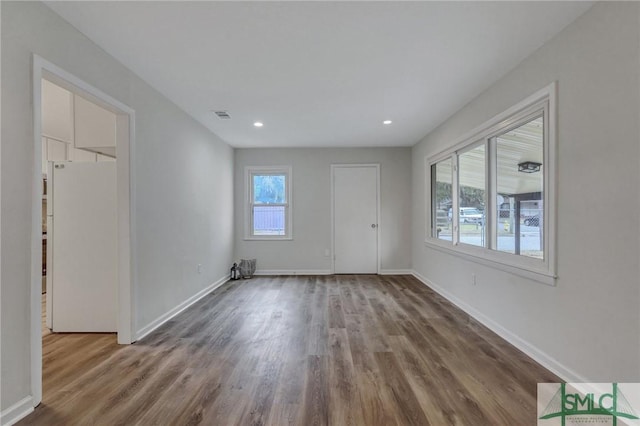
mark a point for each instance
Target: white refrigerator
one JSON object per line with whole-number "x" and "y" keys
{"x": 81, "y": 247}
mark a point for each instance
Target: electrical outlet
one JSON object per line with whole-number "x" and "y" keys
{"x": 199, "y": 268}
{"x": 473, "y": 279}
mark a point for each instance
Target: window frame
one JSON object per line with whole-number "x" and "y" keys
{"x": 249, "y": 205}
{"x": 456, "y": 170}
{"x": 433, "y": 223}
{"x": 542, "y": 102}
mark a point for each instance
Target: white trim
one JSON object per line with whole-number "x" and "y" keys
{"x": 491, "y": 214}
{"x": 292, "y": 272}
{"x": 378, "y": 212}
{"x": 248, "y": 205}
{"x": 455, "y": 199}
{"x": 153, "y": 325}
{"x": 17, "y": 411}
{"x": 36, "y": 239}
{"x": 541, "y": 357}
{"x": 551, "y": 179}
{"x": 269, "y": 238}
{"x": 499, "y": 120}
{"x": 396, "y": 272}
{"x": 481, "y": 256}
{"x": 125, "y": 144}
{"x": 1, "y": 422}
{"x": 333, "y": 219}
{"x": 127, "y": 264}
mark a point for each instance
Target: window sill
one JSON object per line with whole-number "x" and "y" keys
{"x": 476, "y": 255}
{"x": 283, "y": 238}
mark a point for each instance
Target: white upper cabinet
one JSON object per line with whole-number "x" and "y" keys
{"x": 105, "y": 158}
{"x": 57, "y": 112}
{"x": 75, "y": 129}
{"x": 56, "y": 150}
{"x": 95, "y": 127}
{"x": 81, "y": 156}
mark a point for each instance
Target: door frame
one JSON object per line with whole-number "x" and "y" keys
{"x": 125, "y": 143}
{"x": 333, "y": 206}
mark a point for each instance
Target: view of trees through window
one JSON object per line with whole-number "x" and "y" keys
{"x": 269, "y": 189}
{"x": 269, "y": 198}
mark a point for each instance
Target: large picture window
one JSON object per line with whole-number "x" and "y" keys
{"x": 497, "y": 189}
{"x": 269, "y": 203}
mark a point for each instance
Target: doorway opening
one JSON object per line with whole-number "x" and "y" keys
{"x": 82, "y": 132}
{"x": 79, "y": 208}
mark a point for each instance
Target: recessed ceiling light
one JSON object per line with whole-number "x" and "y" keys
{"x": 258, "y": 124}
{"x": 387, "y": 122}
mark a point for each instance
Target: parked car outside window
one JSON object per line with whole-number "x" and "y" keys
{"x": 470, "y": 215}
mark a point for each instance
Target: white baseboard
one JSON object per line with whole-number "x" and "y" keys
{"x": 267, "y": 272}
{"x": 17, "y": 411}
{"x": 536, "y": 354}
{"x": 396, "y": 272}
{"x": 144, "y": 331}
{"x": 293, "y": 272}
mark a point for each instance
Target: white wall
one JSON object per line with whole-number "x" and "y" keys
{"x": 312, "y": 206}
{"x": 588, "y": 325}
{"x": 183, "y": 183}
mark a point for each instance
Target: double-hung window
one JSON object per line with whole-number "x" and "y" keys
{"x": 268, "y": 208}
{"x": 493, "y": 193}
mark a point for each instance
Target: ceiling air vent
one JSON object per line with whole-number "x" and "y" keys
{"x": 224, "y": 115}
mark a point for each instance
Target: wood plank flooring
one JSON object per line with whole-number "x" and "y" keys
{"x": 325, "y": 350}
{"x": 45, "y": 330}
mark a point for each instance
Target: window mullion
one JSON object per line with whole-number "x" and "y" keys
{"x": 433, "y": 204}
{"x": 493, "y": 210}
{"x": 455, "y": 205}
{"x": 548, "y": 193}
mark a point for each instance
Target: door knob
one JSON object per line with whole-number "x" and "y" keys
{"x": 374, "y": 225}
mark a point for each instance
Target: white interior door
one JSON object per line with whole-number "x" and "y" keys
{"x": 84, "y": 275}
{"x": 355, "y": 219}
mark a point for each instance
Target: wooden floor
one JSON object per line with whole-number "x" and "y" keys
{"x": 45, "y": 330}
{"x": 339, "y": 350}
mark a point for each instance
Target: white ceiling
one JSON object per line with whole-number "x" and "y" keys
{"x": 320, "y": 73}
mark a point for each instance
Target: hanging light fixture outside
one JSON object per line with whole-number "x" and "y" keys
{"x": 529, "y": 167}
